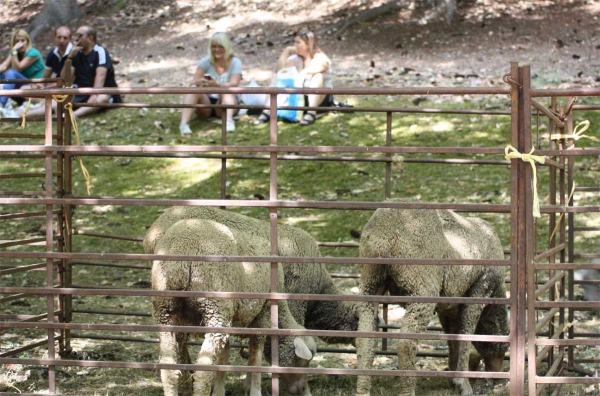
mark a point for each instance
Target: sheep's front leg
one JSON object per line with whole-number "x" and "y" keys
{"x": 415, "y": 321}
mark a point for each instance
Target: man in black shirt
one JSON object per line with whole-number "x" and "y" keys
{"x": 91, "y": 67}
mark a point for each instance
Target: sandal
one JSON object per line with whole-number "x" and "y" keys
{"x": 308, "y": 119}
{"x": 262, "y": 118}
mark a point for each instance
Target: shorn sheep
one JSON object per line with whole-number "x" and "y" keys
{"x": 298, "y": 278}
{"x": 433, "y": 234}
{"x": 236, "y": 235}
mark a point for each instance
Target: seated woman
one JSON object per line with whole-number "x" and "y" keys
{"x": 314, "y": 71}
{"x": 23, "y": 62}
{"x": 219, "y": 69}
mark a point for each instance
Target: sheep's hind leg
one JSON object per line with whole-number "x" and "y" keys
{"x": 255, "y": 355}
{"x": 415, "y": 321}
{"x": 365, "y": 348}
{"x": 222, "y": 359}
{"x": 212, "y": 348}
{"x": 468, "y": 317}
{"x": 173, "y": 349}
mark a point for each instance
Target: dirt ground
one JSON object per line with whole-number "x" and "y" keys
{"x": 158, "y": 43}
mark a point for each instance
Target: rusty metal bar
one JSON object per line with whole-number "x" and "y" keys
{"x": 545, "y": 319}
{"x": 551, "y": 282}
{"x": 104, "y": 235}
{"x": 264, "y": 296}
{"x": 115, "y": 265}
{"x": 10, "y": 216}
{"x": 548, "y": 113}
{"x": 551, "y": 371}
{"x": 21, "y": 242}
{"x": 261, "y": 369}
{"x": 23, "y": 268}
{"x": 549, "y": 253}
{"x": 259, "y": 259}
{"x": 262, "y": 331}
{"x": 273, "y": 91}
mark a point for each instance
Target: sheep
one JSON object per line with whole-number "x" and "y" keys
{"x": 433, "y": 234}
{"x": 298, "y": 278}
{"x": 238, "y": 236}
{"x": 591, "y": 292}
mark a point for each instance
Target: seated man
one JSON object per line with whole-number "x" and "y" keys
{"x": 91, "y": 66}
{"x": 55, "y": 59}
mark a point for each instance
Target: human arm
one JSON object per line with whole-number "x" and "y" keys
{"x": 99, "y": 80}
{"x": 318, "y": 64}
{"x": 5, "y": 65}
{"x": 21, "y": 64}
{"x": 198, "y": 78}
{"x": 63, "y": 74}
{"x": 283, "y": 62}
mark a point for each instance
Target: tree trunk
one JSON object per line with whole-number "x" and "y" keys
{"x": 53, "y": 14}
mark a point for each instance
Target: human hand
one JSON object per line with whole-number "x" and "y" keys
{"x": 74, "y": 51}
{"x": 93, "y": 99}
{"x": 18, "y": 46}
{"x": 290, "y": 50}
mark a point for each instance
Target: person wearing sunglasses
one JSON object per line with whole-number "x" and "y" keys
{"x": 314, "y": 71}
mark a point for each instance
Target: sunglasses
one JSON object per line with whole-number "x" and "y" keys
{"x": 79, "y": 35}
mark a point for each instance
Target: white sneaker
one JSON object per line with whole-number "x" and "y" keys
{"x": 184, "y": 128}
{"x": 9, "y": 113}
{"x": 230, "y": 126}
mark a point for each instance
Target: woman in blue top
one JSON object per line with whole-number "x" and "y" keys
{"x": 219, "y": 69}
{"x": 23, "y": 62}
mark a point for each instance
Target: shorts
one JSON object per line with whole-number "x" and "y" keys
{"x": 85, "y": 98}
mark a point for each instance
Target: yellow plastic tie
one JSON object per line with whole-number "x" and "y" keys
{"x": 69, "y": 109}
{"x": 577, "y": 134}
{"x": 509, "y": 153}
{"x": 25, "y": 113}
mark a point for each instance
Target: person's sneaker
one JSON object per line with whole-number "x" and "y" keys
{"x": 230, "y": 126}
{"x": 184, "y": 128}
{"x": 9, "y": 113}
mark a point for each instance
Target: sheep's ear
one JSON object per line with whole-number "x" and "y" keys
{"x": 301, "y": 349}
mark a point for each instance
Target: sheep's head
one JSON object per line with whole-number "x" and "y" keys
{"x": 304, "y": 350}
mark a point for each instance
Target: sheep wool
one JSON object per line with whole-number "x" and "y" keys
{"x": 298, "y": 278}
{"x": 235, "y": 235}
{"x": 433, "y": 234}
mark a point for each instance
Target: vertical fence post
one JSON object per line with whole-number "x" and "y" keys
{"x": 571, "y": 241}
{"x": 526, "y": 262}
{"x": 274, "y": 249}
{"x": 68, "y": 225}
{"x": 517, "y": 253}
{"x": 49, "y": 245}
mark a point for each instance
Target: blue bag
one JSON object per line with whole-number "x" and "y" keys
{"x": 286, "y": 78}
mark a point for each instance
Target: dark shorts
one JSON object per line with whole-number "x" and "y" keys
{"x": 213, "y": 112}
{"x": 85, "y": 98}
{"x": 327, "y": 102}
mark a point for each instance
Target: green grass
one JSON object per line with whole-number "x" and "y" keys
{"x": 199, "y": 178}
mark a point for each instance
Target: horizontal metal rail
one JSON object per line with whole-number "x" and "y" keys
{"x": 258, "y": 369}
{"x": 255, "y": 259}
{"x": 262, "y": 296}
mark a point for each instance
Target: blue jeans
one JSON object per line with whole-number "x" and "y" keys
{"x": 10, "y": 75}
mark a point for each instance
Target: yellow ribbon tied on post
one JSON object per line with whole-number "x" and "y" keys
{"x": 577, "y": 134}
{"x": 509, "y": 153}
{"x": 69, "y": 108}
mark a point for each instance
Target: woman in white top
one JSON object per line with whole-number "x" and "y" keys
{"x": 314, "y": 68}
{"x": 219, "y": 69}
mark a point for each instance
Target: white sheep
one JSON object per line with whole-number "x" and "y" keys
{"x": 591, "y": 292}
{"x": 298, "y": 278}
{"x": 239, "y": 236}
{"x": 433, "y": 234}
